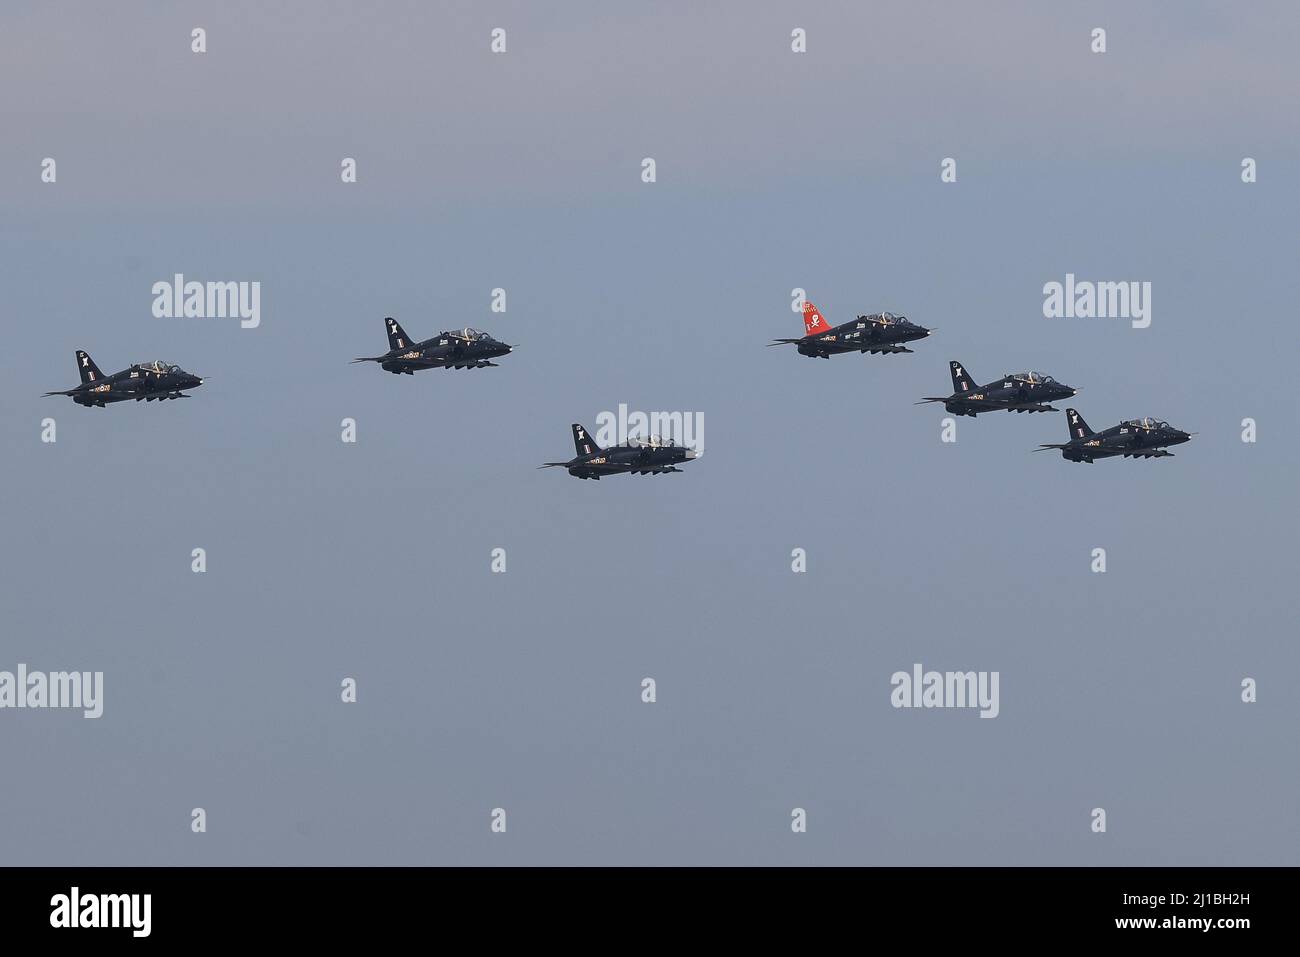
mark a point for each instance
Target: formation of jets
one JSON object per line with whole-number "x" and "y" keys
{"x": 878, "y": 333}
{"x": 1014, "y": 392}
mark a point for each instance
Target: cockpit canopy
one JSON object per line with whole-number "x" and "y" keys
{"x": 159, "y": 367}
{"x": 1147, "y": 422}
{"x": 649, "y": 442}
{"x": 1033, "y": 378}
{"x": 469, "y": 334}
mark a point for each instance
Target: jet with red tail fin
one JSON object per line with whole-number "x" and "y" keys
{"x": 879, "y": 333}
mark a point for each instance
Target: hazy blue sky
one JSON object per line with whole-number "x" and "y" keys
{"x": 522, "y": 690}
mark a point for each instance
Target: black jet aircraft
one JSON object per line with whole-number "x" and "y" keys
{"x": 463, "y": 349}
{"x": 1015, "y": 392}
{"x": 144, "y": 380}
{"x": 879, "y": 333}
{"x": 1137, "y": 438}
{"x": 639, "y": 456}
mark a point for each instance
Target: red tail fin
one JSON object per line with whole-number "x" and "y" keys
{"x": 814, "y": 324}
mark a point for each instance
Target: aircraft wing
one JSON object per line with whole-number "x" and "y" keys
{"x": 1029, "y": 407}
{"x": 989, "y": 404}
{"x": 883, "y": 347}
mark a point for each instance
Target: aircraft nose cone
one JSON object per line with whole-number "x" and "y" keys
{"x": 692, "y": 454}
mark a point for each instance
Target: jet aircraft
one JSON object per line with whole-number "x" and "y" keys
{"x": 1137, "y": 438}
{"x": 144, "y": 380}
{"x": 463, "y": 349}
{"x": 1015, "y": 392}
{"x": 649, "y": 456}
{"x": 879, "y": 333}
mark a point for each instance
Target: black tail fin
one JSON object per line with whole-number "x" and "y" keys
{"x": 582, "y": 441}
{"x": 86, "y": 366}
{"x": 397, "y": 337}
{"x": 961, "y": 380}
{"x": 1078, "y": 428}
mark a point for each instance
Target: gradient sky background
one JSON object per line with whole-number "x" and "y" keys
{"x": 522, "y": 690}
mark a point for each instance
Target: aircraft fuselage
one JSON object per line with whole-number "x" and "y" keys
{"x": 637, "y": 461}
{"x": 864, "y": 334}
{"x": 443, "y": 352}
{"x": 1124, "y": 440}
